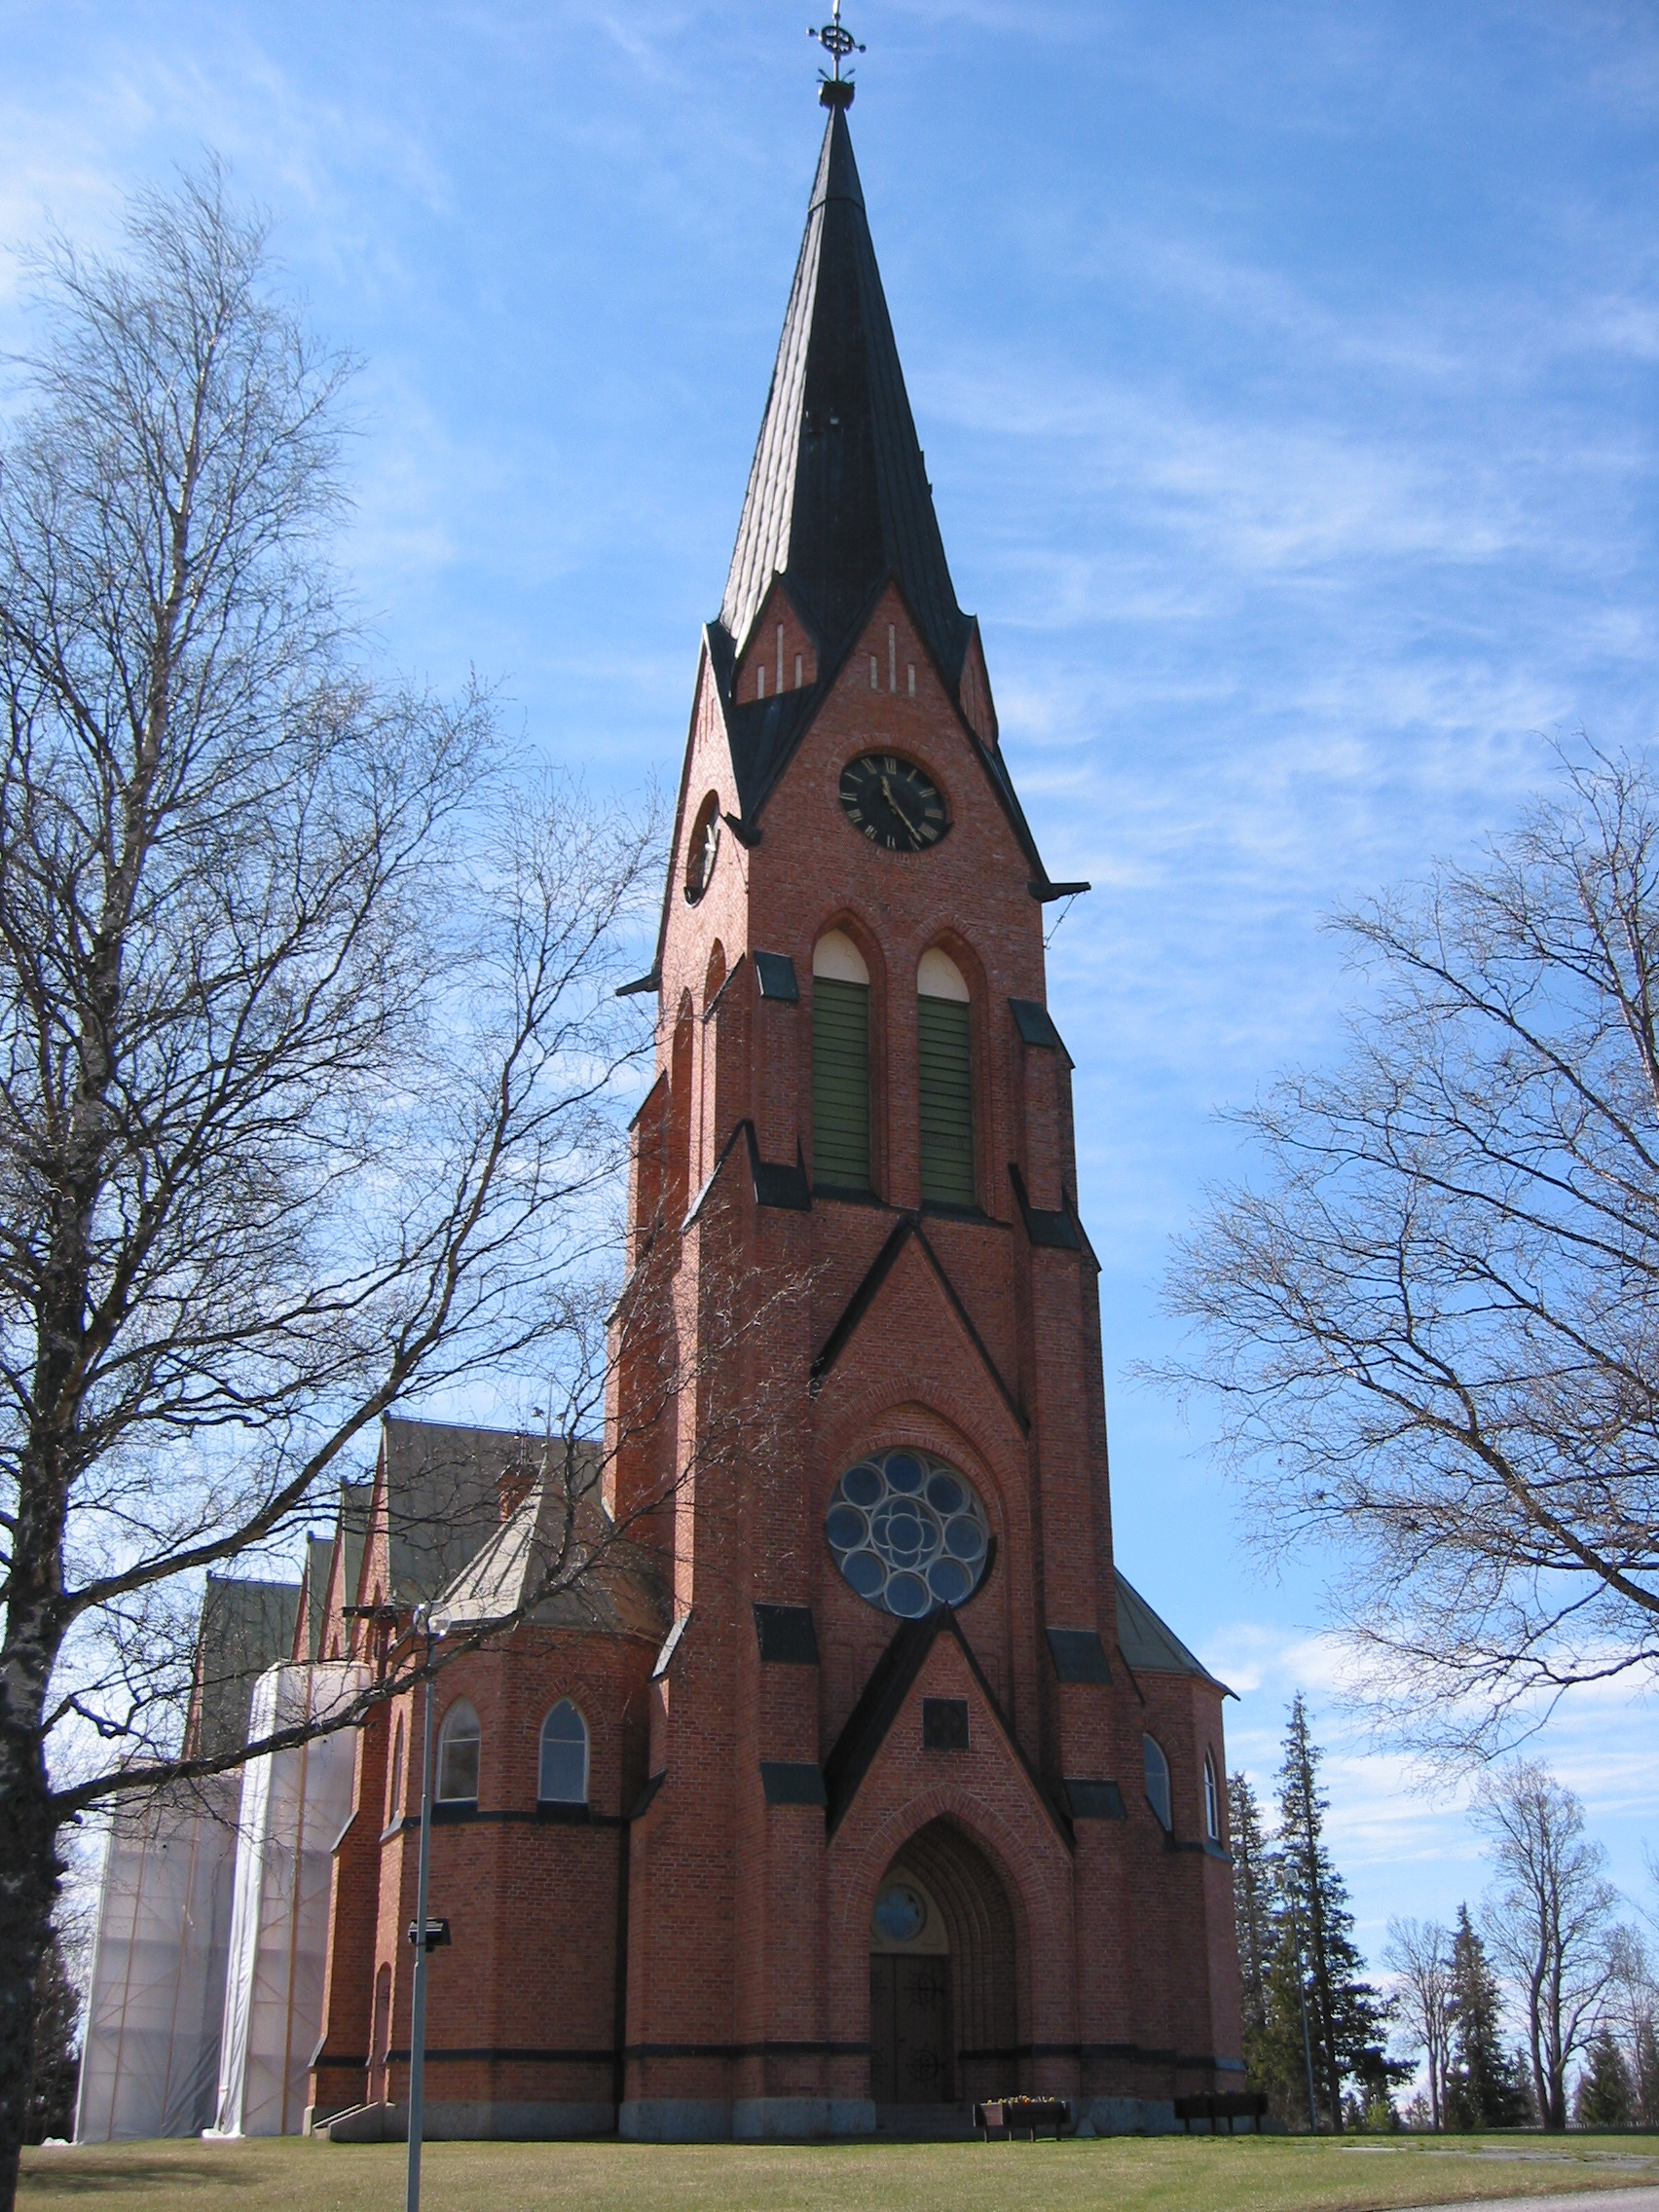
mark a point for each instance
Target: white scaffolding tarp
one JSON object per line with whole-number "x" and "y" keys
{"x": 294, "y": 1806}
{"x": 151, "y": 2062}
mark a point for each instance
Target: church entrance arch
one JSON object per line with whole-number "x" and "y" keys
{"x": 944, "y": 2010}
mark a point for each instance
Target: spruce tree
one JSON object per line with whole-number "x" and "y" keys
{"x": 1483, "y": 2083}
{"x": 1347, "y": 2019}
{"x": 1603, "y": 2098}
{"x": 1252, "y": 1902}
{"x": 1644, "y": 2075}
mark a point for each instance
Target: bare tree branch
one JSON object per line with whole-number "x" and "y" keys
{"x": 1430, "y": 1322}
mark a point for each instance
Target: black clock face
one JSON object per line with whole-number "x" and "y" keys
{"x": 893, "y": 803}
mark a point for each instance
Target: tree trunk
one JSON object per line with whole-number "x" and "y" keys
{"x": 29, "y": 1867}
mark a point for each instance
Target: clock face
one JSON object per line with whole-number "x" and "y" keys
{"x": 893, "y": 803}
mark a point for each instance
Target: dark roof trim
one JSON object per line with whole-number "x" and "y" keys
{"x": 650, "y": 983}
{"x": 883, "y": 1699}
{"x": 1079, "y": 1655}
{"x": 775, "y": 972}
{"x": 1036, "y": 1025}
{"x": 774, "y": 1184}
{"x": 791, "y": 714}
{"x": 1095, "y": 1800}
{"x": 1045, "y": 890}
{"x": 786, "y": 1635}
{"x": 791, "y": 1782}
{"x": 907, "y": 1224}
{"x": 1054, "y": 1229}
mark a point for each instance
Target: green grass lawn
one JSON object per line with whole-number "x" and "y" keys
{"x": 1121, "y": 2174}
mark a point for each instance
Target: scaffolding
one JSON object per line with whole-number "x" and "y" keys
{"x": 295, "y": 1805}
{"x": 151, "y": 2060}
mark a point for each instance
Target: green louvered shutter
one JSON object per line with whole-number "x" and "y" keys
{"x": 840, "y": 1084}
{"x": 947, "y": 1102}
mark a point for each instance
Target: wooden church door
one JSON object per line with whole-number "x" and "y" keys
{"x": 910, "y": 2032}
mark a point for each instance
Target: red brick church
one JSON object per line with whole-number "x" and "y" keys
{"x": 862, "y": 1780}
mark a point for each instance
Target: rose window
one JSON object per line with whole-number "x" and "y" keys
{"x": 908, "y": 1534}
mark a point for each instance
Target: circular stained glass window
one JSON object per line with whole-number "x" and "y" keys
{"x": 908, "y": 1533}
{"x": 901, "y": 1913}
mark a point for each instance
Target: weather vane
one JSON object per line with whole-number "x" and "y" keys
{"x": 837, "y": 41}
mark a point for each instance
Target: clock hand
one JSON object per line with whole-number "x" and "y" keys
{"x": 886, "y": 792}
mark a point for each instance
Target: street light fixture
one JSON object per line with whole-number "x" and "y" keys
{"x": 426, "y": 1932}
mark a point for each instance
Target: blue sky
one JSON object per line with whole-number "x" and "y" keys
{"x": 1287, "y": 376}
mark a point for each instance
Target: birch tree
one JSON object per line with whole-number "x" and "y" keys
{"x": 1429, "y": 1318}
{"x": 308, "y": 1038}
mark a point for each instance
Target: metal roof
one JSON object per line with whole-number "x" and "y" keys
{"x": 838, "y": 498}
{"x": 245, "y": 1626}
{"x": 1150, "y": 1644}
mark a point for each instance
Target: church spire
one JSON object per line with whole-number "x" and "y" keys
{"x": 838, "y": 498}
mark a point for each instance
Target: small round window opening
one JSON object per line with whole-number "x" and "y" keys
{"x": 908, "y": 1534}
{"x": 901, "y": 1913}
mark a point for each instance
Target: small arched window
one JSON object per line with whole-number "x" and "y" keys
{"x": 394, "y": 1794}
{"x": 1158, "y": 1781}
{"x": 945, "y": 1081}
{"x": 840, "y": 1064}
{"x": 1212, "y": 1802}
{"x": 459, "y": 1740}
{"x": 562, "y": 1778}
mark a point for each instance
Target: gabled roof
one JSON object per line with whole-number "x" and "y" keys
{"x": 839, "y": 497}
{"x": 606, "y": 1584}
{"x": 1150, "y": 1644}
{"x": 442, "y": 1500}
{"x": 883, "y": 1700}
{"x": 319, "y": 1560}
{"x": 245, "y": 1626}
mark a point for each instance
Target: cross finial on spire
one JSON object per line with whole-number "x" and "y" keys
{"x": 837, "y": 41}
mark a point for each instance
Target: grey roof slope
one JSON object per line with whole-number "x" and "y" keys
{"x": 245, "y": 1626}
{"x": 1150, "y": 1644}
{"x": 839, "y": 497}
{"x": 319, "y": 1560}
{"x": 443, "y": 1500}
{"x": 614, "y": 1590}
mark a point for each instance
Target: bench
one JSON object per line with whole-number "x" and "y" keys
{"x": 1229, "y": 2105}
{"x": 1007, "y": 2114}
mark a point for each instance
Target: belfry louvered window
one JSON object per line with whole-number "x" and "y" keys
{"x": 945, "y": 1079}
{"x": 840, "y": 1065}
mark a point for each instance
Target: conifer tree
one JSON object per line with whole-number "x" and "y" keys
{"x": 1347, "y": 2019}
{"x": 1484, "y": 2083}
{"x": 1253, "y": 1904}
{"x": 1603, "y": 2098}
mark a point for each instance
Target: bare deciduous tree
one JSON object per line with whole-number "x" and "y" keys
{"x": 1419, "y": 1952}
{"x": 1549, "y": 1919}
{"x": 309, "y": 1041}
{"x": 1431, "y": 1324}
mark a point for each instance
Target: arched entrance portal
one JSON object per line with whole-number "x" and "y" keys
{"x": 943, "y": 2014}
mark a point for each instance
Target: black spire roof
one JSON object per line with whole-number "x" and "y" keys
{"x": 838, "y": 497}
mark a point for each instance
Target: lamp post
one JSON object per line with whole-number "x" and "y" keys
{"x": 1300, "y": 1991}
{"x": 432, "y": 1627}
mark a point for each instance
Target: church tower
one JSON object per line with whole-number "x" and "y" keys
{"x": 935, "y": 1804}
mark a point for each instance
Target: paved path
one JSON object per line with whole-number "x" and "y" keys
{"x": 1642, "y": 2197}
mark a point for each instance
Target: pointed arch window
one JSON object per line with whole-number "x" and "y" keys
{"x": 1158, "y": 1782}
{"x": 394, "y": 1794}
{"x": 563, "y": 1775}
{"x": 459, "y": 1741}
{"x": 840, "y": 1065}
{"x": 1212, "y": 1801}
{"x": 945, "y": 1081}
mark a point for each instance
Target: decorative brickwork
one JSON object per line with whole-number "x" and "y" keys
{"x": 691, "y": 1954}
